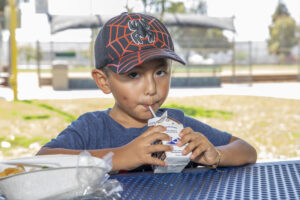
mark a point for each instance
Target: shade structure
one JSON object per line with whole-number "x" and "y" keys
{"x": 63, "y": 22}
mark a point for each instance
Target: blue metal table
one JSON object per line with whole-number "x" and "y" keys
{"x": 274, "y": 180}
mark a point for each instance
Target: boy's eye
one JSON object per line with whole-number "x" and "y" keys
{"x": 161, "y": 73}
{"x": 133, "y": 75}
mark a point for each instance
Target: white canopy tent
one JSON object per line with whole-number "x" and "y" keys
{"x": 62, "y": 22}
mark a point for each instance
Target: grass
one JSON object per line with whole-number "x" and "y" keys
{"x": 25, "y": 146}
{"x": 35, "y": 117}
{"x": 30, "y": 117}
{"x": 68, "y": 117}
{"x": 271, "y": 125}
{"x": 22, "y": 141}
{"x": 200, "y": 111}
{"x": 296, "y": 135}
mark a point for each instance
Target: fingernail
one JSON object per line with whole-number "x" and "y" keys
{"x": 192, "y": 156}
{"x": 184, "y": 152}
{"x": 180, "y": 134}
{"x": 179, "y": 143}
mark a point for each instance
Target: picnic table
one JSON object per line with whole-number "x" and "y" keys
{"x": 273, "y": 180}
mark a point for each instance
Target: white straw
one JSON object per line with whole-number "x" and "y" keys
{"x": 153, "y": 113}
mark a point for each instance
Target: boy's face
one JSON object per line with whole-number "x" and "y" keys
{"x": 146, "y": 85}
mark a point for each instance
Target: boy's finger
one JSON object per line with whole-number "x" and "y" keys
{"x": 153, "y": 129}
{"x": 157, "y": 136}
{"x": 185, "y": 139}
{"x": 185, "y": 131}
{"x": 156, "y": 161}
{"x": 197, "y": 152}
{"x": 191, "y": 137}
{"x": 159, "y": 148}
{"x": 191, "y": 146}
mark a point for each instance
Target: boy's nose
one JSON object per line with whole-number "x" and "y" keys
{"x": 150, "y": 85}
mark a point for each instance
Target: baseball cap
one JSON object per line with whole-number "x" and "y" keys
{"x": 130, "y": 39}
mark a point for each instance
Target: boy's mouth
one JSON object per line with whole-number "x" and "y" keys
{"x": 150, "y": 108}
{"x": 147, "y": 106}
{"x": 154, "y": 105}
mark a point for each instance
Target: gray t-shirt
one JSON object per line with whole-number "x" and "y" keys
{"x": 97, "y": 130}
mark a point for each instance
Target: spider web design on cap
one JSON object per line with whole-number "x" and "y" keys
{"x": 125, "y": 54}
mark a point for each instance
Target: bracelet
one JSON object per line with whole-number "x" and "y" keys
{"x": 215, "y": 166}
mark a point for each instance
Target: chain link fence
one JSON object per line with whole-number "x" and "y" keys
{"x": 229, "y": 63}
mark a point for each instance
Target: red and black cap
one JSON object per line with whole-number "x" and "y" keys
{"x": 130, "y": 39}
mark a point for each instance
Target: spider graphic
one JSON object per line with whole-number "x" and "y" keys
{"x": 140, "y": 30}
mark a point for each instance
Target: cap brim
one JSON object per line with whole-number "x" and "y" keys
{"x": 130, "y": 61}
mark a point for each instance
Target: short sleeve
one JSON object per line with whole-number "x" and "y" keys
{"x": 75, "y": 136}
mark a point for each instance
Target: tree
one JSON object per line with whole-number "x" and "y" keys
{"x": 203, "y": 38}
{"x": 199, "y": 7}
{"x": 158, "y": 5}
{"x": 145, "y": 2}
{"x": 216, "y": 39}
{"x": 176, "y": 7}
{"x": 129, "y": 9}
{"x": 282, "y": 32}
{"x": 281, "y": 10}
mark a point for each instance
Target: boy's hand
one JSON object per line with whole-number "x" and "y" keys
{"x": 203, "y": 152}
{"x": 138, "y": 152}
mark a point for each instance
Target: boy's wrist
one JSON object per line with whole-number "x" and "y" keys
{"x": 121, "y": 161}
{"x": 218, "y": 161}
{"x": 118, "y": 159}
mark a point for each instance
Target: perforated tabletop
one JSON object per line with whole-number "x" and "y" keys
{"x": 276, "y": 180}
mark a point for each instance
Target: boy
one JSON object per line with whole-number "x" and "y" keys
{"x": 133, "y": 54}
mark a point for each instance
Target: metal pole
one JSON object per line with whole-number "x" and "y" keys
{"x": 38, "y": 61}
{"x": 298, "y": 55}
{"x": 14, "y": 51}
{"x": 92, "y": 49}
{"x": 51, "y": 53}
{"x": 299, "y": 60}
{"x": 1, "y": 44}
{"x": 188, "y": 66}
{"x": 233, "y": 60}
{"x": 92, "y": 40}
{"x": 250, "y": 63}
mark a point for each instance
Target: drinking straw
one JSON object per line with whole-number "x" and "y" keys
{"x": 153, "y": 113}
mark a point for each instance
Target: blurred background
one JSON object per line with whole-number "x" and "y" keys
{"x": 231, "y": 48}
{"x": 253, "y": 41}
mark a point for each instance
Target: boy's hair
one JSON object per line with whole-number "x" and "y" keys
{"x": 105, "y": 70}
{"x": 131, "y": 39}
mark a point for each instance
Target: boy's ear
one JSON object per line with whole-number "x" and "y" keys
{"x": 101, "y": 80}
